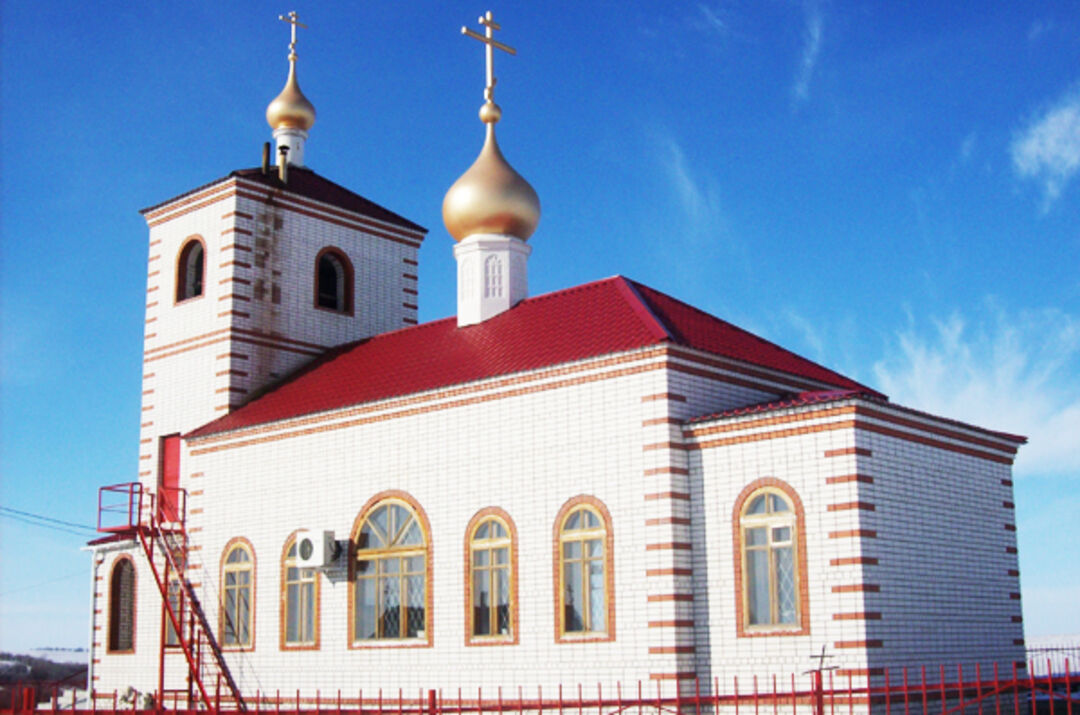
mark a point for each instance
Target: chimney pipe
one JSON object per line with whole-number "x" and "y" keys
{"x": 283, "y": 164}
{"x": 266, "y": 158}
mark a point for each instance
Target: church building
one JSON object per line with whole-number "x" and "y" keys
{"x": 599, "y": 484}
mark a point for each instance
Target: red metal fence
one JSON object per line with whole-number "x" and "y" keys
{"x": 903, "y": 691}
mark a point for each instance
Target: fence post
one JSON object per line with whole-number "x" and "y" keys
{"x": 819, "y": 693}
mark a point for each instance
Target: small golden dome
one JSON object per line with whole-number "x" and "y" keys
{"x": 291, "y": 108}
{"x": 491, "y": 197}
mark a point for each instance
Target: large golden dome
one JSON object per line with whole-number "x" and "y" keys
{"x": 491, "y": 197}
{"x": 291, "y": 109}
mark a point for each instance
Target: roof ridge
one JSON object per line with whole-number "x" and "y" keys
{"x": 754, "y": 336}
{"x": 640, "y": 307}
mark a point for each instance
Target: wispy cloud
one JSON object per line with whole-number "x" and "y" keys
{"x": 811, "y": 49}
{"x": 1039, "y": 28}
{"x": 697, "y": 194}
{"x": 967, "y": 147}
{"x": 1015, "y": 373}
{"x": 809, "y": 332}
{"x": 1047, "y": 150}
{"x": 711, "y": 18}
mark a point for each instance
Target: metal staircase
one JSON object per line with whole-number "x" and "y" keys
{"x": 157, "y": 522}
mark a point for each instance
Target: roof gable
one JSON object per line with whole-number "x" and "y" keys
{"x": 305, "y": 182}
{"x": 601, "y": 318}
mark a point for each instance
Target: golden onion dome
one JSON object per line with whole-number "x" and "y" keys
{"x": 491, "y": 197}
{"x": 291, "y": 109}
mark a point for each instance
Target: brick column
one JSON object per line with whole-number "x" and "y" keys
{"x": 668, "y": 558}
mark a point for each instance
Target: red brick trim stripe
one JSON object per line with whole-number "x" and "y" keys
{"x": 299, "y": 428}
{"x": 681, "y": 675}
{"x": 762, "y": 377}
{"x": 661, "y": 421}
{"x": 857, "y": 616}
{"x": 844, "y": 451}
{"x": 859, "y": 672}
{"x": 669, "y": 546}
{"x": 677, "y": 623}
{"x": 681, "y": 496}
{"x": 668, "y": 520}
{"x": 853, "y": 534}
{"x": 664, "y": 445}
{"x": 848, "y": 478}
{"x": 854, "y": 561}
{"x": 653, "y": 471}
{"x": 857, "y": 588}
{"x": 675, "y": 571}
{"x": 671, "y": 649}
{"x": 673, "y": 397}
{"x": 874, "y": 643}
{"x": 665, "y": 597}
{"x": 847, "y": 506}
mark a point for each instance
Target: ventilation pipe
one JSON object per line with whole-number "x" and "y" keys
{"x": 283, "y": 163}
{"x": 266, "y": 158}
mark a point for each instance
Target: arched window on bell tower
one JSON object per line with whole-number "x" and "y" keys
{"x": 333, "y": 281}
{"x": 190, "y": 269}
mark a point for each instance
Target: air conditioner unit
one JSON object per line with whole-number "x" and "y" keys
{"x": 315, "y": 549}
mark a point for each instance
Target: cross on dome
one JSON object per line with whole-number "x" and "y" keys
{"x": 490, "y": 112}
{"x": 293, "y": 18}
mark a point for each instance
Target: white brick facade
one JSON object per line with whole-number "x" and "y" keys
{"x": 906, "y": 539}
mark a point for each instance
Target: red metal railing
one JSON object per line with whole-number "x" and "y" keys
{"x": 900, "y": 691}
{"x": 157, "y": 521}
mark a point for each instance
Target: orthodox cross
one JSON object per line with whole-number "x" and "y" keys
{"x": 821, "y": 661}
{"x": 490, "y": 42}
{"x": 293, "y": 19}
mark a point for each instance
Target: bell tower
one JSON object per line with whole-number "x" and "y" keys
{"x": 255, "y": 274}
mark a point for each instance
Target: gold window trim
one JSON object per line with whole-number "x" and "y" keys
{"x": 770, "y": 520}
{"x": 583, "y": 535}
{"x": 402, "y": 552}
{"x": 243, "y": 545}
{"x": 491, "y": 544}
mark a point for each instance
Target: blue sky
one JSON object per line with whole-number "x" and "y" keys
{"x": 891, "y": 189}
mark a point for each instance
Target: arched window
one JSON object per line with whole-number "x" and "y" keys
{"x": 299, "y": 601}
{"x": 491, "y": 568}
{"x": 237, "y": 597}
{"x": 493, "y": 277}
{"x": 771, "y": 559}
{"x": 122, "y": 606}
{"x": 333, "y": 281}
{"x": 190, "y": 269}
{"x": 391, "y": 572}
{"x": 584, "y": 598}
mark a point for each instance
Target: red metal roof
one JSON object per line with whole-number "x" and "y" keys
{"x": 609, "y": 316}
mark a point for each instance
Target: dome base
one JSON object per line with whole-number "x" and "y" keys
{"x": 492, "y": 276}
